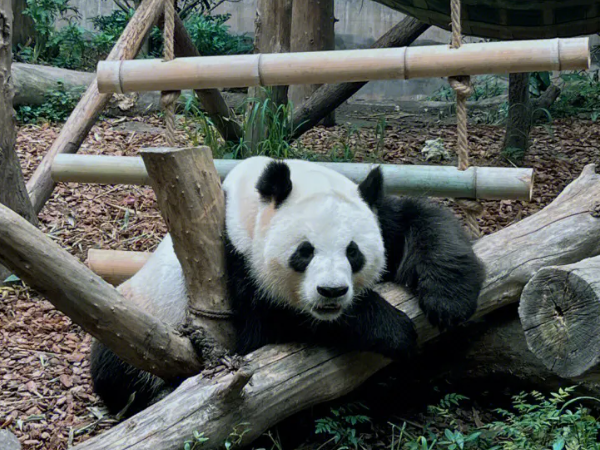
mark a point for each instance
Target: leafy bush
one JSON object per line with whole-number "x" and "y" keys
{"x": 342, "y": 425}
{"x": 580, "y": 94}
{"x": 109, "y": 28}
{"x": 57, "y": 106}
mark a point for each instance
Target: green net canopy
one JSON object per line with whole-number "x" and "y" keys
{"x": 509, "y": 19}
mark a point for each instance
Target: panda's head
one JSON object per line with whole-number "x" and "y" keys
{"x": 317, "y": 241}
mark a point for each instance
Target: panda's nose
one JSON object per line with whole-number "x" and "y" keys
{"x": 332, "y": 291}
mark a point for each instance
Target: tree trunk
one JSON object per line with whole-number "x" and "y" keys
{"x": 516, "y": 140}
{"x": 330, "y": 96}
{"x": 91, "y": 105}
{"x": 190, "y": 198}
{"x": 133, "y": 334}
{"x": 12, "y": 186}
{"x": 312, "y": 30}
{"x": 560, "y": 313}
{"x": 23, "y": 25}
{"x": 272, "y": 35}
{"x": 289, "y": 378}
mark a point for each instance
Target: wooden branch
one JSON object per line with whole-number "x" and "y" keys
{"x": 83, "y": 117}
{"x": 192, "y": 203}
{"x": 211, "y": 99}
{"x": 490, "y": 183}
{"x": 560, "y": 313}
{"x": 290, "y": 378}
{"x": 342, "y": 65}
{"x": 327, "y": 98}
{"x": 12, "y": 185}
{"x": 115, "y": 266}
{"x": 518, "y": 123}
{"x": 133, "y": 334}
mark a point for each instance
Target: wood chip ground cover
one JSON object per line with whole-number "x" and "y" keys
{"x": 45, "y": 388}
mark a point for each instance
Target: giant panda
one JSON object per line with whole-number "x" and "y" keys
{"x": 304, "y": 248}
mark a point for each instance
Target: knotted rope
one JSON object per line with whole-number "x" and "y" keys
{"x": 168, "y": 99}
{"x": 462, "y": 87}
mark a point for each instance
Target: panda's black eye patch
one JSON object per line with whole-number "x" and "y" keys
{"x": 302, "y": 257}
{"x": 355, "y": 256}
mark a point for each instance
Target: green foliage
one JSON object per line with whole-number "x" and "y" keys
{"x": 342, "y": 426}
{"x": 57, "y": 106}
{"x": 196, "y": 443}
{"x": 212, "y": 37}
{"x": 109, "y": 28}
{"x": 539, "y": 82}
{"x": 580, "y": 95}
{"x": 274, "y": 121}
{"x": 535, "y": 422}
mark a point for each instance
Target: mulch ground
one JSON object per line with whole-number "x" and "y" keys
{"x": 45, "y": 390}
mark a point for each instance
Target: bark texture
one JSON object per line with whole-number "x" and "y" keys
{"x": 328, "y": 97}
{"x": 312, "y": 30}
{"x": 560, "y": 313}
{"x": 189, "y": 194}
{"x": 133, "y": 334}
{"x": 12, "y": 186}
{"x": 519, "y": 113}
{"x": 289, "y": 378}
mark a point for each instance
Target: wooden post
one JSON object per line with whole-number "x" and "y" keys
{"x": 313, "y": 29}
{"x": 330, "y": 96}
{"x": 272, "y": 35}
{"x": 192, "y": 203}
{"x": 516, "y": 139}
{"x": 560, "y": 313}
{"x": 83, "y": 117}
{"x": 133, "y": 334}
{"x": 12, "y": 186}
{"x": 290, "y": 378}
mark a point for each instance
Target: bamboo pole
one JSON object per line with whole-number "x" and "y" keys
{"x": 342, "y": 66}
{"x": 485, "y": 183}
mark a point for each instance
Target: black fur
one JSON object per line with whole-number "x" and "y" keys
{"x": 302, "y": 257}
{"x": 371, "y": 189}
{"x": 355, "y": 257}
{"x": 275, "y": 183}
{"x": 426, "y": 249}
{"x": 429, "y": 252}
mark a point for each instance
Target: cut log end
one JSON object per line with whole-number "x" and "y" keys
{"x": 560, "y": 313}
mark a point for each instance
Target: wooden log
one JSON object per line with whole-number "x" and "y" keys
{"x": 190, "y": 198}
{"x": 518, "y": 124}
{"x": 328, "y": 97}
{"x": 83, "y": 117}
{"x": 560, "y": 313}
{"x": 313, "y": 29}
{"x": 115, "y": 266}
{"x": 490, "y": 183}
{"x": 290, "y": 378}
{"x": 12, "y": 185}
{"x": 342, "y": 65}
{"x": 133, "y": 334}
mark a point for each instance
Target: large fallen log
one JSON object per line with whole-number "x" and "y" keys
{"x": 289, "y": 378}
{"x": 560, "y": 313}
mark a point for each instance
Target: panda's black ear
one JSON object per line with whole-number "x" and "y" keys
{"x": 371, "y": 189}
{"x": 275, "y": 183}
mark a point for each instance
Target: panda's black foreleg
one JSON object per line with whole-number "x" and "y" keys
{"x": 429, "y": 252}
{"x": 372, "y": 324}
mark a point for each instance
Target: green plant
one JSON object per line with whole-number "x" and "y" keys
{"x": 57, "y": 106}
{"x": 342, "y": 426}
{"x": 196, "y": 443}
{"x": 109, "y": 29}
{"x": 580, "y": 95}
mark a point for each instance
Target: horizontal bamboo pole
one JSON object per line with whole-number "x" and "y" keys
{"x": 485, "y": 183}
{"x": 342, "y": 65}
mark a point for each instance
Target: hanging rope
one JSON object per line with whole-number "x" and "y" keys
{"x": 168, "y": 99}
{"x": 462, "y": 87}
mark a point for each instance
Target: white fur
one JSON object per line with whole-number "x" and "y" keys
{"x": 323, "y": 208}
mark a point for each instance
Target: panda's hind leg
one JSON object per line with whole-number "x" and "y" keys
{"x": 115, "y": 381}
{"x": 429, "y": 252}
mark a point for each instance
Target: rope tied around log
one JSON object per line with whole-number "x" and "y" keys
{"x": 168, "y": 99}
{"x": 463, "y": 88}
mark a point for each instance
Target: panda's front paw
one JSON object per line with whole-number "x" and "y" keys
{"x": 447, "y": 313}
